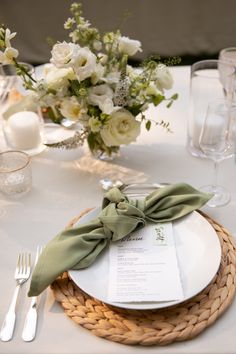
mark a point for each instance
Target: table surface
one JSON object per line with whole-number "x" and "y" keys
{"x": 67, "y": 182}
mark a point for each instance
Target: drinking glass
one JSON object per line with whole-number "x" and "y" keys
{"x": 15, "y": 173}
{"x": 205, "y": 86}
{"x": 217, "y": 142}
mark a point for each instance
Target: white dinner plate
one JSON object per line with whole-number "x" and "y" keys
{"x": 198, "y": 252}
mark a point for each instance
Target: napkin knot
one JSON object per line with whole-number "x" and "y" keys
{"x": 121, "y": 217}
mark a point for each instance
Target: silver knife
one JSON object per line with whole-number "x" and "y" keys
{"x": 30, "y": 324}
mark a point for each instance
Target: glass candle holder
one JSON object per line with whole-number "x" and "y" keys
{"x": 22, "y": 121}
{"x": 15, "y": 173}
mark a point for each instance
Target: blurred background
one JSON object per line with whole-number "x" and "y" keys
{"x": 191, "y": 29}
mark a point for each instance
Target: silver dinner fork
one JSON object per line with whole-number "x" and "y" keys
{"x": 22, "y": 273}
{"x": 30, "y": 324}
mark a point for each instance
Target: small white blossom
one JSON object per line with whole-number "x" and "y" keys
{"x": 74, "y": 36}
{"x": 94, "y": 124}
{"x": 97, "y": 45}
{"x": 129, "y": 46}
{"x": 102, "y": 58}
{"x": 8, "y": 37}
{"x": 72, "y": 109}
{"x": 8, "y": 55}
{"x": 164, "y": 79}
{"x": 69, "y": 23}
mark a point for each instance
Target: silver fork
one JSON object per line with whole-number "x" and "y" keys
{"x": 22, "y": 273}
{"x": 30, "y": 324}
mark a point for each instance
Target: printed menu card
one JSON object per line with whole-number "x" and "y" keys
{"x": 143, "y": 266}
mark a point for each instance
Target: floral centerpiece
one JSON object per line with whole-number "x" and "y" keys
{"x": 90, "y": 81}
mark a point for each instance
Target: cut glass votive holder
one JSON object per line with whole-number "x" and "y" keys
{"x": 15, "y": 173}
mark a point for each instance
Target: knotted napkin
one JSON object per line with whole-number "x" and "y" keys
{"x": 78, "y": 247}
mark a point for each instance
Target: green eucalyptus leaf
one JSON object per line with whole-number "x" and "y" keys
{"x": 157, "y": 99}
{"x": 148, "y": 125}
{"x": 136, "y": 109}
{"x": 169, "y": 104}
{"x": 175, "y": 96}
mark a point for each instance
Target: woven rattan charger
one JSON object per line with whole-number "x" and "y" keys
{"x": 154, "y": 327}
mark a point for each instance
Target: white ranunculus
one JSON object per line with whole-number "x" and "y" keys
{"x": 164, "y": 79}
{"x": 101, "y": 96}
{"x": 122, "y": 128}
{"x": 64, "y": 54}
{"x": 129, "y": 46}
{"x": 8, "y": 55}
{"x": 57, "y": 78}
{"x": 85, "y": 64}
{"x": 72, "y": 109}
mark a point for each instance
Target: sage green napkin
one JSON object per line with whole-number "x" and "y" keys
{"x": 78, "y": 247}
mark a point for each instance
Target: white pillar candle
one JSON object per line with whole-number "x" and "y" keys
{"x": 24, "y": 128}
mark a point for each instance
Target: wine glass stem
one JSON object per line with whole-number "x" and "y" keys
{"x": 216, "y": 170}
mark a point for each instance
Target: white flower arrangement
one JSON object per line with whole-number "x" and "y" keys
{"x": 89, "y": 81}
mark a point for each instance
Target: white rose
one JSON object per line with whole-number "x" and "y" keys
{"x": 101, "y": 96}
{"x": 129, "y": 46}
{"x": 85, "y": 64}
{"x": 122, "y": 128}
{"x": 164, "y": 79}
{"x": 64, "y": 54}
{"x": 57, "y": 78}
{"x": 72, "y": 109}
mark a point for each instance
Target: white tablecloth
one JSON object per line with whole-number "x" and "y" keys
{"x": 67, "y": 182}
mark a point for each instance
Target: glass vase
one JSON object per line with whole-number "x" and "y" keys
{"x": 109, "y": 154}
{"x": 99, "y": 149}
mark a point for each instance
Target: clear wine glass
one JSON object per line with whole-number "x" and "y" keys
{"x": 217, "y": 141}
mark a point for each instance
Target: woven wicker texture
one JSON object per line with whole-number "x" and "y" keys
{"x": 159, "y": 327}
